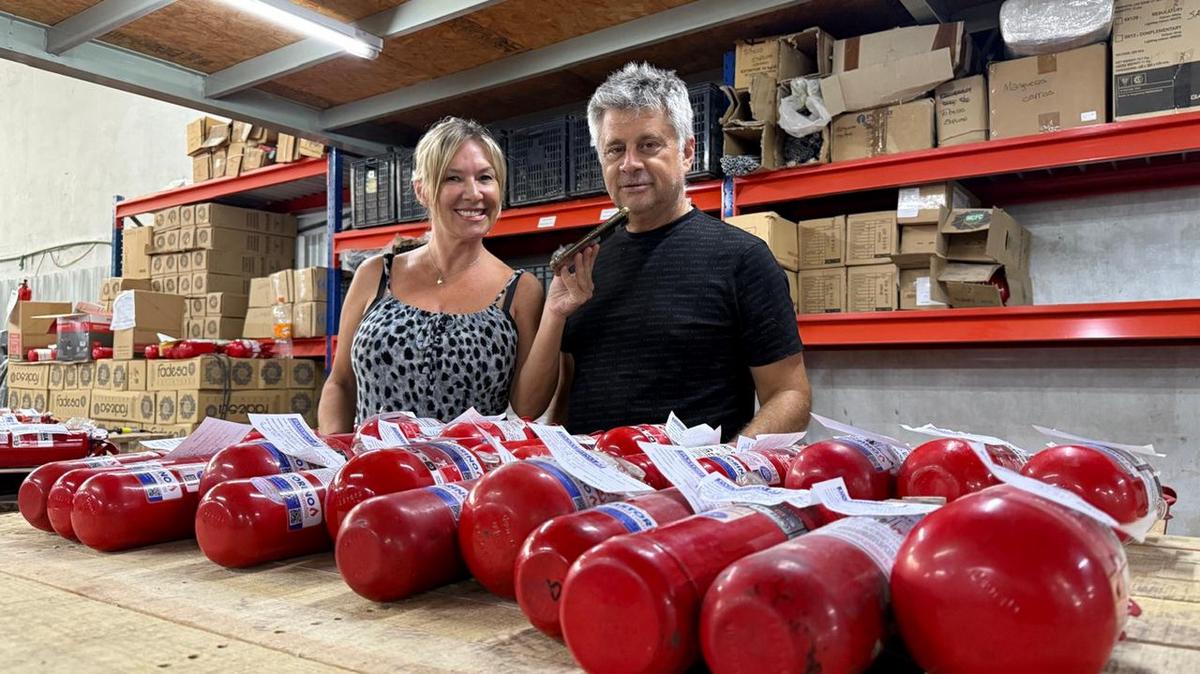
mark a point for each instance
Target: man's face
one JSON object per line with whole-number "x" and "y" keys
{"x": 644, "y": 167}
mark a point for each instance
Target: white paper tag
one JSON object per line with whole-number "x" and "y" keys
{"x": 607, "y": 213}
{"x": 1147, "y": 450}
{"x": 1088, "y": 116}
{"x": 371, "y": 443}
{"x": 769, "y": 441}
{"x": 675, "y": 428}
{"x": 547, "y": 221}
{"x": 165, "y": 444}
{"x": 501, "y": 451}
{"x": 833, "y": 495}
{"x": 633, "y": 518}
{"x": 210, "y": 437}
{"x": 716, "y": 488}
{"x": 390, "y": 434}
{"x": 587, "y": 466}
{"x": 909, "y": 202}
{"x": 513, "y": 429}
{"x": 123, "y": 311}
{"x": 878, "y": 538}
{"x": 680, "y": 469}
{"x": 930, "y": 429}
{"x": 291, "y": 435}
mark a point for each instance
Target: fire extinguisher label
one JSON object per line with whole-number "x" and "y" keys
{"x": 159, "y": 485}
{"x": 392, "y": 433}
{"x": 631, "y": 517}
{"x": 759, "y": 464}
{"x": 453, "y": 496}
{"x": 287, "y": 462}
{"x": 879, "y": 538}
{"x": 730, "y": 467}
{"x": 728, "y": 513}
{"x": 468, "y": 465}
{"x": 296, "y": 494}
{"x": 1143, "y": 471}
{"x": 582, "y": 494}
{"x": 439, "y": 469}
{"x": 100, "y": 461}
{"x": 783, "y": 515}
{"x": 512, "y": 429}
{"x": 883, "y": 457}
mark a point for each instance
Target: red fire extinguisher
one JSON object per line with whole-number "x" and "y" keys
{"x": 624, "y": 440}
{"x": 948, "y": 467}
{"x": 393, "y": 546}
{"x": 252, "y": 521}
{"x": 255, "y": 459}
{"x": 24, "y": 292}
{"x": 127, "y": 509}
{"x": 35, "y": 489}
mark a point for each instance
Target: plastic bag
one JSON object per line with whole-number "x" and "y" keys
{"x": 803, "y": 113}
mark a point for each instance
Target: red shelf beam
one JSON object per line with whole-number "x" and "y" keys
{"x": 309, "y": 347}
{"x": 1114, "y": 322}
{"x": 209, "y": 190}
{"x": 1172, "y": 134}
{"x": 524, "y": 220}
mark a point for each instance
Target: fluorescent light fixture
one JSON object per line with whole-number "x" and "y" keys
{"x": 313, "y": 24}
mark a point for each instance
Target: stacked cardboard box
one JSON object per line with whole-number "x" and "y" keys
{"x": 986, "y": 263}
{"x": 139, "y": 317}
{"x": 28, "y": 329}
{"x": 781, "y": 237}
{"x": 821, "y": 281}
{"x": 920, "y": 213}
{"x": 221, "y": 149}
{"x": 302, "y": 291}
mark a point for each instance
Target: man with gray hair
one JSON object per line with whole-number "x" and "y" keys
{"x": 679, "y": 311}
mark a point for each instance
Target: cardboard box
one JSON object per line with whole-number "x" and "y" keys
{"x": 821, "y": 291}
{"x": 171, "y": 285}
{"x": 196, "y": 405}
{"x": 308, "y": 319}
{"x": 749, "y": 125}
{"x": 872, "y": 288}
{"x": 104, "y": 374}
{"x": 888, "y": 130}
{"x": 224, "y": 304}
{"x": 1155, "y": 58}
{"x": 35, "y": 399}
{"x": 968, "y": 284}
{"x": 172, "y": 239}
{"x": 962, "y": 111}
{"x": 260, "y": 323}
{"x": 922, "y": 204}
{"x": 310, "y": 148}
{"x": 198, "y": 131}
{"x": 31, "y": 375}
{"x": 163, "y": 406}
{"x": 111, "y": 406}
{"x": 793, "y": 289}
{"x": 917, "y": 244}
{"x": 918, "y": 291}
{"x": 183, "y": 261}
{"x": 87, "y": 375}
{"x": 283, "y": 286}
{"x": 253, "y": 158}
{"x": 156, "y": 284}
{"x": 56, "y": 377}
{"x": 203, "y": 373}
{"x": 187, "y": 216}
{"x": 984, "y": 235}
{"x": 244, "y": 373}
{"x": 777, "y": 57}
{"x": 233, "y": 159}
{"x": 171, "y": 261}
{"x": 204, "y": 283}
{"x": 780, "y": 235}
{"x": 871, "y": 238}
{"x": 223, "y": 262}
{"x": 68, "y": 404}
{"x": 28, "y": 330}
{"x": 285, "y": 150}
{"x": 135, "y": 252}
{"x": 136, "y": 375}
{"x": 70, "y": 376}
{"x": 218, "y": 162}
{"x": 194, "y": 328}
{"x": 170, "y": 219}
{"x": 187, "y": 237}
{"x": 893, "y": 66}
{"x": 221, "y": 327}
{"x": 231, "y": 217}
{"x": 121, "y": 375}
{"x": 138, "y": 315}
{"x": 302, "y": 402}
{"x": 822, "y": 242}
{"x": 1049, "y": 92}
{"x": 202, "y": 166}
{"x": 196, "y": 307}
{"x": 311, "y": 284}
{"x": 115, "y": 285}
{"x": 222, "y": 238}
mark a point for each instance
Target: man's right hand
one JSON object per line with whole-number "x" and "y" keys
{"x": 572, "y": 286}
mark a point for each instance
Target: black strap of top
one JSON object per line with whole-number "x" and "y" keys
{"x": 510, "y": 290}
{"x": 385, "y": 276}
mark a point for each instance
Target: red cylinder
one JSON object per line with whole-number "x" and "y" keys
{"x": 632, "y": 603}
{"x": 651, "y": 475}
{"x": 766, "y": 466}
{"x": 1098, "y": 475}
{"x": 623, "y": 440}
{"x": 396, "y": 545}
{"x": 947, "y": 467}
{"x": 814, "y": 604}
{"x": 252, "y": 521}
{"x": 866, "y": 469}
{"x": 23, "y": 447}
{"x": 475, "y": 430}
{"x": 35, "y": 489}
{"x": 61, "y": 497}
{"x": 386, "y": 471}
{"x": 130, "y": 508}
{"x": 978, "y": 581}
{"x": 409, "y": 426}
{"x": 254, "y": 459}
{"x": 506, "y": 506}
{"x": 541, "y": 566}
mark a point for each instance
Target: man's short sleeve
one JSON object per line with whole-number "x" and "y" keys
{"x": 767, "y": 319}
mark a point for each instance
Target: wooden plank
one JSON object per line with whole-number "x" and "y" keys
{"x": 1138, "y": 658}
{"x": 48, "y": 12}
{"x": 47, "y": 629}
{"x": 1166, "y": 623}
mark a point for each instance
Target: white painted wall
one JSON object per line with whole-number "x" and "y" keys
{"x": 68, "y": 147}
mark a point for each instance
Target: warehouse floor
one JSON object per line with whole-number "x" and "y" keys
{"x": 167, "y": 607}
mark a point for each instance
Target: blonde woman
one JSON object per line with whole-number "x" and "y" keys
{"x": 446, "y": 326}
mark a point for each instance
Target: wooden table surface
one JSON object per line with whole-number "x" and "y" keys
{"x": 166, "y": 607}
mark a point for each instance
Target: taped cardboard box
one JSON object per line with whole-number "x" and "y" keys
{"x": 165, "y": 407}
{"x": 224, "y": 304}
{"x": 167, "y": 219}
{"x": 289, "y": 373}
{"x": 185, "y": 286}
{"x": 244, "y": 373}
{"x": 128, "y": 375}
{"x": 187, "y": 216}
{"x": 224, "y": 262}
{"x": 171, "y": 286}
{"x": 308, "y": 319}
{"x": 918, "y": 291}
{"x": 1050, "y": 92}
{"x": 225, "y": 239}
{"x": 310, "y": 148}
{"x": 194, "y": 328}
{"x": 780, "y": 235}
{"x": 70, "y": 373}
{"x": 822, "y": 242}
{"x": 985, "y": 235}
{"x": 871, "y": 238}
{"x": 183, "y": 260}
{"x": 922, "y": 204}
{"x": 31, "y": 375}
{"x": 281, "y": 247}
{"x": 136, "y": 243}
{"x": 893, "y": 66}
{"x": 27, "y": 330}
{"x": 29, "y": 398}
{"x": 197, "y": 133}
{"x": 233, "y": 159}
{"x": 260, "y": 323}
{"x": 202, "y": 166}
{"x": 232, "y": 217}
{"x": 283, "y": 286}
{"x": 115, "y": 285}
{"x": 1155, "y": 57}
{"x": 962, "y": 111}
{"x": 221, "y": 327}
{"x": 969, "y": 284}
{"x": 104, "y": 374}
{"x": 311, "y": 284}
{"x": 204, "y": 283}
{"x": 68, "y": 404}
{"x": 872, "y": 288}
{"x": 202, "y": 373}
{"x": 781, "y": 57}
{"x": 905, "y": 127}
{"x": 111, "y": 406}
{"x": 196, "y": 307}
{"x": 821, "y": 291}
{"x": 194, "y": 406}
{"x": 187, "y": 237}
{"x": 219, "y": 157}
{"x": 56, "y": 377}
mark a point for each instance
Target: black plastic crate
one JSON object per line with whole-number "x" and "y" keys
{"x": 373, "y": 191}
{"x": 708, "y": 106}
{"x": 501, "y": 138}
{"x": 537, "y": 163}
{"x": 586, "y": 176}
{"x": 409, "y": 208}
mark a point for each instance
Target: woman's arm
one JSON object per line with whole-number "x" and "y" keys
{"x": 335, "y": 413}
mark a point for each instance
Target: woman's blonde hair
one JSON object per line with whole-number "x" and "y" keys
{"x": 437, "y": 148}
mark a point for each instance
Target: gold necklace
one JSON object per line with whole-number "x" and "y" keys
{"x": 441, "y": 279}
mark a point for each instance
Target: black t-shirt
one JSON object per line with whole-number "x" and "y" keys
{"x": 678, "y": 317}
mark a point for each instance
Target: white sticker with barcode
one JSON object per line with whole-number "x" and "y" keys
{"x": 1088, "y": 116}
{"x": 590, "y": 467}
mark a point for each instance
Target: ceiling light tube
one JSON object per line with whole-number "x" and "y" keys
{"x": 313, "y": 24}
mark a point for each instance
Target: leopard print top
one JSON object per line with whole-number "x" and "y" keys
{"x": 434, "y": 364}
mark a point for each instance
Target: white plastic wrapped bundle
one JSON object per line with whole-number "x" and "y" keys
{"x": 1032, "y": 27}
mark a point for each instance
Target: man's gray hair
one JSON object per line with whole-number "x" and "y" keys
{"x": 641, "y": 86}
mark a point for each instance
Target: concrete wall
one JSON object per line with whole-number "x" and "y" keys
{"x": 69, "y": 146}
{"x": 1134, "y": 246}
